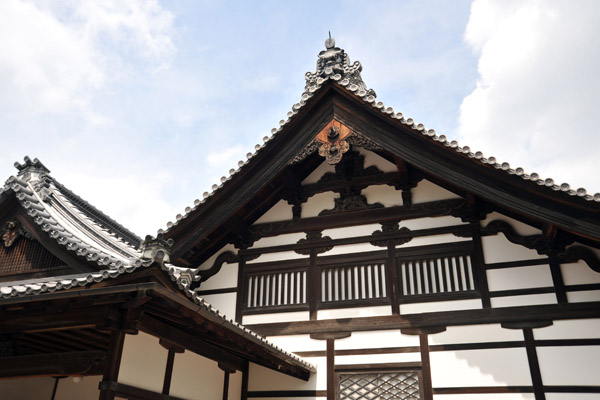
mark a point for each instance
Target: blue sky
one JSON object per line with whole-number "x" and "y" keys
{"x": 141, "y": 106}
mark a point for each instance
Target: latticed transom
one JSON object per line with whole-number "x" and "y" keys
{"x": 380, "y": 386}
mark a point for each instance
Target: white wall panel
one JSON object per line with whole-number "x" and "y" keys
{"x": 225, "y": 278}
{"x": 196, "y": 377}
{"x": 284, "y": 255}
{"x": 86, "y": 389}
{"x": 476, "y": 334}
{"x": 279, "y": 240}
{"x": 427, "y": 191}
{"x": 436, "y": 306}
{"x": 525, "y": 300}
{"x": 572, "y": 396}
{"x": 235, "y": 386}
{"x": 384, "y": 194}
{"x": 352, "y": 248}
{"x": 318, "y": 203}
{"x": 282, "y": 211}
{"x": 318, "y": 172}
{"x": 519, "y": 227}
{"x": 431, "y": 222}
{"x": 143, "y": 362}
{"x": 376, "y": 160}
{"x": 261, "y": 378}
{"x": 584, "y": 296}
{"x": 209, "y": 263}
{"x": 377, "y": 339}
{"x": 224, "y": 302}
{"x": 354, "y": 312}
{"x": 434, "y": 239}
{"x": 487, "y": 396}
{"x": 275, "y": 317}
{"x": 378, "y": 358}
{"x": 520, "y": 277}
{"x": 574, "y": 365}
{"x": 579, "y": 273}
{"x": 298, "y": 343}
{"x": 570, "y": 329}
{"x": 352, "y": 231}
{"x": 499, "y": 249}
{"x": 491, "y": 367}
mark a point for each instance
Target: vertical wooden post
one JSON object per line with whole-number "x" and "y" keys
{"x": 479, "y": 268}
{"x": 426, "y": 367}
{"x": 313, "y": 285}
{"x": 245, "y": 372}
{"x": 113, "y": 363}
{"x": 168, "y": 372}
{"x": 534, "y": 365}
{"x": 242, "y": 294}
{"x": 226, "y": 385}
{"x": 331, "y": 389}
{"x": 557, "y": 280}
{"x": 391, "y": 278}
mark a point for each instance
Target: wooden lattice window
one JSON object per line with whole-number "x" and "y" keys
{"x": 380, "y": 385}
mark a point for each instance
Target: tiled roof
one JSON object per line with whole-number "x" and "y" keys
{"x": 71, "y": 221}
{"x": 347, "y": 78}
{"x": 181, "y": 276}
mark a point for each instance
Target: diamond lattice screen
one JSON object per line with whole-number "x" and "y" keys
{"x": 380, "y": 386}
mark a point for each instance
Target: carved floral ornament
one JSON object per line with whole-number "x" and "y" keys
{"x": 12, "y": 230}
{"x": 333, "y": 141}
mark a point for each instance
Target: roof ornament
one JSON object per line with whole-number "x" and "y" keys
{"x": 30, "y": 167}
{"x": 334, "y": 63}
{"x": 156, "y": 249}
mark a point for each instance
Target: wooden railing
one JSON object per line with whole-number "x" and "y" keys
{"x": 427, "y": 273}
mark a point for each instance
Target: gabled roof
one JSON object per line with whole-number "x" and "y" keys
{"x": 336, "y": 92}
{"x": 66, "y": 219}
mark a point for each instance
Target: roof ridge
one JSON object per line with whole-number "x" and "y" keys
{"x": 333, "y": 64}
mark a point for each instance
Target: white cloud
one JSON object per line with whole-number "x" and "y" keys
{"x": 55, "y": 55}
{"x": 536, "y": 99}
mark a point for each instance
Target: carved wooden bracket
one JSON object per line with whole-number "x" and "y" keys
{"x": 388, "y": 228}
{"x": 314, "y": 236}
{"x": 12, "y": 231}
{"x": 225, "y": 257}
{"x": 576, "y": 253}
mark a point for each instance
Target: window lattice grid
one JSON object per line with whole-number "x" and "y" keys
{"x": 380, "y": 386}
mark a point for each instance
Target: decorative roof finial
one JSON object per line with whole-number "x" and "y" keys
{"x": 334, "y": 63}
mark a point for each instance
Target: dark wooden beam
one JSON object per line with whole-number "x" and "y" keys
{"x": 53, "y": 364}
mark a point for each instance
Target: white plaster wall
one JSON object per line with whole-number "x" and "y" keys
{"x": 377, "y": 340}
{"x": 223, "y": 302}
{"x": 499, "y": 249}
{"x": 41, "y": 388}
{"x": 384, "y": 194}
{"x": 278, "y": 240}
{"x": 579, "y": 273}
{"x": 435, "y": 306}
{"x": 431, "y": 222}
{"x": 572, "y": 396}
{"x": 351, "y": 231}
{"x": 570, "y": 329}
{"x": 487, "y": 396}
{"x": 434, "y": 239}
{"x": 275, "y": 317}
{"x": 225, "y": 278}
{"x": 209, "y": 263}
{"x": 525, "y": 300}
{"x": 354, "y": 312}
{"x": 520, "y": 227}
{"x": 261, "y": 378}
{"x": 476, "y": 334}
{"x": 235, "y": 386}
{"x": 284, "y": 255}
{"x": 296, "y": 343}
{"x": 352, "y": 248}
{"x": 378, "y": 358}
{"x": 196, "y": 377}
{"x": 376, "y": 160}
{"x": 520, "y": 277}
{"x": 143, "y": 362}
{"x": 472, "y": 368}
{"x": 573, "y": 365}
{"x": 584, "y": 296}
{"x": 427, "y": 191}
{"x": 321, "y": 170}
{"x": 282, "y": 211}
{"x": 318, "y": 203}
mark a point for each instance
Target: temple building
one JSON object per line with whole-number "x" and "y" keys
{"x": 355, "y": 254}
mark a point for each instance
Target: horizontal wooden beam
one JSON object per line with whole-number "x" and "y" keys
{"x": 53, "y": 364}
{"x": 433, "y": 319}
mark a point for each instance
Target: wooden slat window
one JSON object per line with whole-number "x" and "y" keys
{"x": 353, "y": 282}
{"x": 276, "y": 288}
